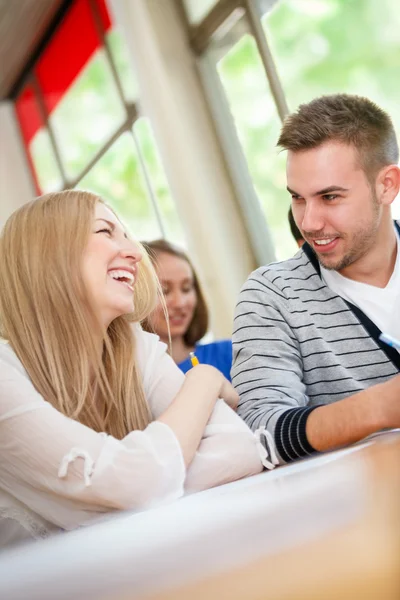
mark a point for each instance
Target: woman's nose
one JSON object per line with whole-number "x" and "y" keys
{"x": 176, "y": 300}
{"x": 132, "y": 251}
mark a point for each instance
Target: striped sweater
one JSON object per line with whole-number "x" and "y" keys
{"x": 298, "y": 345}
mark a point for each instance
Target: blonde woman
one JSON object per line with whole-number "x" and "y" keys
{"x": 95, "y": 416}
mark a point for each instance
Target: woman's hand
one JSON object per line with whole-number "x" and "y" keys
{"x": 229, "y": 394}
{"x": 225, "y": 390}
{"x": 192, "y": 407}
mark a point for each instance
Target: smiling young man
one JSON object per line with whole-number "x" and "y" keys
{"x": 308, "y": 363}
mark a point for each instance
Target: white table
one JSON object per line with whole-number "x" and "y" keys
{"x": 200, "y": 536}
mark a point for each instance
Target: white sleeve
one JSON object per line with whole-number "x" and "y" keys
{"x": 45, "y": 455}
{"x": 228, "y": 450}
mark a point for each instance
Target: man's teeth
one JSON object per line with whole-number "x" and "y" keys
{"x": 120, "y": 274}
{"x": 323, "y": 242}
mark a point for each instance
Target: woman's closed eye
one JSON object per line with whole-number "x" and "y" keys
{"x": 187, "y": 288}
{"x": 105, "y": 230}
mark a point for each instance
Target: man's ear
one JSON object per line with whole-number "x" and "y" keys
{"x": 388, "y": 184}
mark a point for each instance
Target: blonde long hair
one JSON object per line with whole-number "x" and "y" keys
{"x": 46, "y": 316}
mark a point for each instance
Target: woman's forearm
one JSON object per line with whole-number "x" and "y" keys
{"x": 190, "y": 410}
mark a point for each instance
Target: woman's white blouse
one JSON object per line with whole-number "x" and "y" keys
{"x": 56, "y": 473}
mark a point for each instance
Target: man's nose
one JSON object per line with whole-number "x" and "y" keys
{"x": 313, "y": 218}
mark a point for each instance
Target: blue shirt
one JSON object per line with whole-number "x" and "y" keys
{"x": 218, "y": 354}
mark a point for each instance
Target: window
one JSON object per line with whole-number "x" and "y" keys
{"x": 287, "y": 52}
{"x": 40, "y": 151}
{"x": 234, "y": 70}
{"x": 118, "y": 178}
{"x": 157, "y": 181}
{"x": 197, "y": 9}
{"x": 87, "y": 115}
{"x": 81, "y": 124}
{"x": 258, "y": 124}
{"x": 130, "y": 177}
{"x": 328, "y": 46}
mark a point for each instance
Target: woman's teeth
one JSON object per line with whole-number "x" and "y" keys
{"x": 122, "y": 276}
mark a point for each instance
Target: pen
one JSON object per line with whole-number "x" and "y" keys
{"x": 390, "y": 341}
{"x": 193, "y": 359}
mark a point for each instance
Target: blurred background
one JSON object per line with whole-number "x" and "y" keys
{"x": 171, "y": 109}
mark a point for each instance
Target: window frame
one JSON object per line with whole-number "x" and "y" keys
{"x": 99, "y": 14}
{"x": 30, "y": 78}
{"x": 225, "y": 16}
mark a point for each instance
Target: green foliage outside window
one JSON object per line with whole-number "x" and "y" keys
{"x": 331, "y": 46}
{"x": 118, "y": 178}
{"x": 89, "y": 113}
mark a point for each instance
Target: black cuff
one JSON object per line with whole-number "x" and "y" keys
{"x": 290, "y": 434}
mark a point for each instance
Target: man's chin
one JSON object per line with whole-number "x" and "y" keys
{"x": 330, "y": 265}
{"x": 329, "y": 262}
{"x": 335, "y": 264}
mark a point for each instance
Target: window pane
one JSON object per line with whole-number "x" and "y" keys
{"x": 257, "y": 122}
{"x": 117, "y": 177}
{"x": 71, "y": 47}
{"x": 123, "y": 66}
{"x": 330, "y": 46}
{"x": 170, "y": 219}
{"x": 89, "y": 113}
{"x": 196, "y": 10}
{"x": 44, "y": 162}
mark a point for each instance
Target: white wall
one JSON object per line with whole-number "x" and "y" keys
{"x": 16, "y": 186}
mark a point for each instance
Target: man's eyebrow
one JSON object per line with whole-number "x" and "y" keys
{"x": 292, "y": 191}
{"x": 330, "y": 189}
{"x": 327, "y": 190}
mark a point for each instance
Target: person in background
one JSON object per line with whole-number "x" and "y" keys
{"x": 309, "y": 363}
{"x": 95, "y": 416}
{"x": 187, "y": 311}
{"x": 296, "y": 233}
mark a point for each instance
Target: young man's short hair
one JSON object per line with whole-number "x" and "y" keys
{"x": 348, "y": 119}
